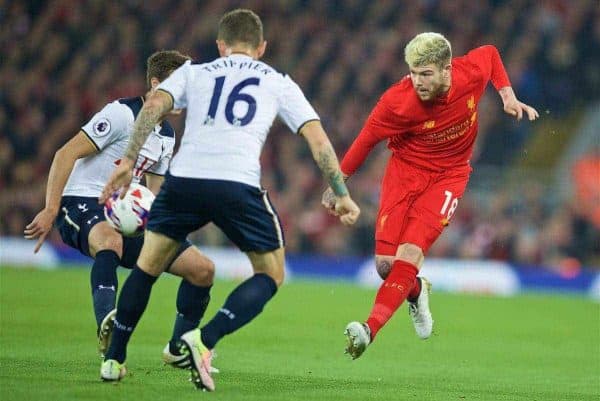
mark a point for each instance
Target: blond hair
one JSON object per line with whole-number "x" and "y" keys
{"x": 428, "y": 48}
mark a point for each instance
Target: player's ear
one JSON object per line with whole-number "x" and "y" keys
{"x": 447, "y": 69}
{"x": 261, "y": 48}
{"x": 154, "y": 82}
{"x": 224, "y": 50}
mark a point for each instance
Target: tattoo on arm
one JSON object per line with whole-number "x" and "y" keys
{"x": 143, "y": 126}
{"x": 328, "y": 163}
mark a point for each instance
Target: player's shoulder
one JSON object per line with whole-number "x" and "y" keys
{"x": 474, "y": 56}
{"x": 400, "y": 98}
{"x": 275, "y": 71}
{"x": 399, "y": 88}
{"x": 131, "y": 104}
{"x": 120, "y": 110}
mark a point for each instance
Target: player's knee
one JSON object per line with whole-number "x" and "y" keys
{"x": 203, "y": 272}
{"x": 280, "y": 277}
{"x": 110, "y": 241}
{"x": 194, "y": 267}
{"x": 383, "y": 264}
{"x": 271, "y": 263}
{"x": 277, "y": 273}
{"x": 410, "y": 253}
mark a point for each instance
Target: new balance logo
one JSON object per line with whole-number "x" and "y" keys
{"x": 106, "y": 287}
{"x": 83, "y": 207}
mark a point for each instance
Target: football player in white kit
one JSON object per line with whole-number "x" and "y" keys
{"x": 78, "y": 173}
{"x": 215, "y": 176}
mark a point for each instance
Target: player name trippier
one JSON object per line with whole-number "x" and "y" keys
{"x": 230, "y": 63}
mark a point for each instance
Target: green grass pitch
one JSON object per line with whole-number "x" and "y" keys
{"x": 531, "y": 347}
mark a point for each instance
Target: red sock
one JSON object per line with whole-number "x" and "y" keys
{"x": 391, "y": 294}
{"x": 415, "y": 292}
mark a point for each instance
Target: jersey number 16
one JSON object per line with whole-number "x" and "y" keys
{"x": 234, "y": 97}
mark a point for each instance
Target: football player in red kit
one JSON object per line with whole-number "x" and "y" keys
{"x": 429, "y": 119}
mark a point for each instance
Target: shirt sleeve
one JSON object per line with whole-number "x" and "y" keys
{"x": 489, "y": 62}
{"x": 382, "y": 123}
{"x": 176, "y": 84}
{"x": 294, "y": 108}
{"x": 108, "y": 125}
{"x": 161, "y": 167}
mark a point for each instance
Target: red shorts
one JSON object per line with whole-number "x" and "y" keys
{"x": 416, "y": 205}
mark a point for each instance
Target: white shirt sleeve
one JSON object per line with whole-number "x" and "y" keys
{"x": 175, "y": 85}
{"x": 109, "y": 125}
{"x": 161, "y": 167}
{"x": 294, "y": 108}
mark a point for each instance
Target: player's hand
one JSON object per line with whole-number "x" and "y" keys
{"x": 328, "y": 200}
{"x": 347, "y": 210}
{"x": 120, "y": 179}
{"x": 516, "y": 108}
{"x": 40, "y": 227}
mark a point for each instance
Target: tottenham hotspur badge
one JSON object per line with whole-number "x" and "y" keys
{"x": 101, "y": 127}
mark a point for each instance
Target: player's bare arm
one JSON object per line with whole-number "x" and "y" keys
{"x": 153, "y": 111}
{"x": 328, "y": 197}
{"x": 514, "y": 107}
{"x": 326, "y": 159}
{"x": 64, "y": 159}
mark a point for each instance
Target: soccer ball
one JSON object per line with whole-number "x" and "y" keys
{"x": 130, "y": 214}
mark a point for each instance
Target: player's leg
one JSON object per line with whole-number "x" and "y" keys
{"x": 399, "y": 274}
{"x": 256, "y": 230}
{"x": 396, "y": 287}
{"x": 429, "y": 216}
{"x": 248, "y": 299}
{"x": 105, "y": 246}
{"x": 383, "y": 265}
{"x": 81, "y": 225}
{"x": 193, "y": 296}
{"x": 157, "y": 252}
{"x": 398, "y": 269}
{"x": 176, "y": 211}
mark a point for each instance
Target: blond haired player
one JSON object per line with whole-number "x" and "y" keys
{"x": 429, "y": 120}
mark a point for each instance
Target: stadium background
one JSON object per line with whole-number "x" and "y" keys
{"x": 530, "y": 219}
{"x": 529, "y": 201}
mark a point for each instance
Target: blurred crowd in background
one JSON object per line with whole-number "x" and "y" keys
{"x": 62, "y": 60}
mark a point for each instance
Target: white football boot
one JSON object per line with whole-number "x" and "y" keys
{"x": 111, "y": 370}
{"x": 200, "y": 357}
{"x": 181, "y": 360}
{"x": 358, "y": 337}
{"x": 419, "y": 311}
{"x": 105, "y": 331}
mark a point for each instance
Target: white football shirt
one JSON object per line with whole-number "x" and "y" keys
{"x": 109, "y": 130}
{"x": 231, "y": 104}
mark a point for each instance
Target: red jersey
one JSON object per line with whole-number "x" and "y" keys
{"x": 435, "y": 135}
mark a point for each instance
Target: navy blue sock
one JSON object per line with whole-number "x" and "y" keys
{"x": 243, "y": 304}
{"x": 103, "y": 279}
{"x": 192, "y": 301}
{"x": 132, "y": 303}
